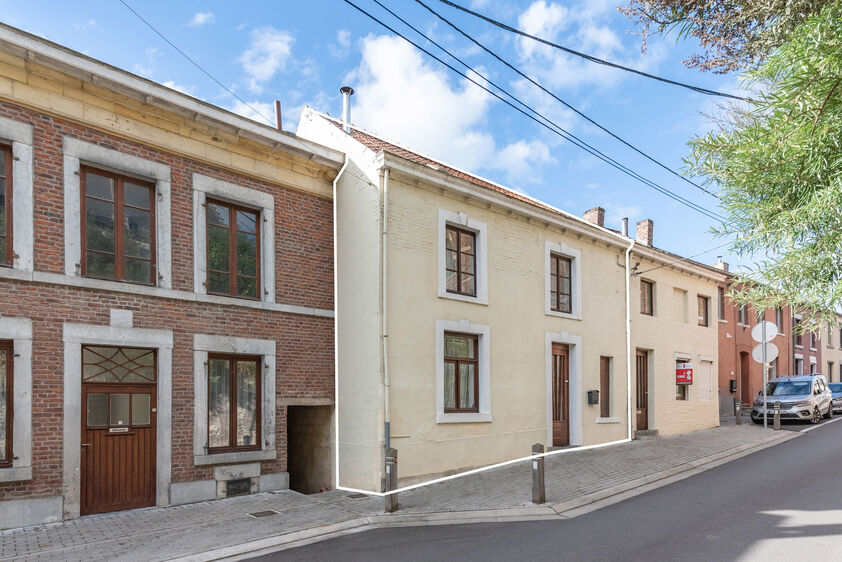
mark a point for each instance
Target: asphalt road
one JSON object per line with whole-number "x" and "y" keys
{"x": 784, "y": 502}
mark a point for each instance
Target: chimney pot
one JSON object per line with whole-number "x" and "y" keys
{"x": 595, "y": 215}
{"x": 347, "y": 92}
{"x": 625, "y": 227}
{"x": 646, "y": 232}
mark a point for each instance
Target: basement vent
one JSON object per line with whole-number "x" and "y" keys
{"x": 238, "y": 487}
{"x": 267, "y": 513}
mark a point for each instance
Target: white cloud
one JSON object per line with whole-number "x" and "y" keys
{"x": 201, "y": 18}
{"x": 542, "y": 20}
{"x": 614, "y": 214}
{"x": 178, "y": 87}
{"x": 398, "y": 95}
{"x": 343, "y": 44}
{"x": 268, "y": 52}
{"x": 518, "y": 161}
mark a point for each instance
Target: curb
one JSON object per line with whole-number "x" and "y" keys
{"x": 564, "y": 510}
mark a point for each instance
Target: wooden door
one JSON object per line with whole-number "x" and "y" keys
{"x": 745, "y": 379}
{"x": 118, "y": 447}
{"x": 561, "y": 395}
{"x": 642, "y": 390}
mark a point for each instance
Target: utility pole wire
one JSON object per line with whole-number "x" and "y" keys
{"x": 557, "y": 98}
{"x": 194, "y": 63}
{"x": 592, "y": 58}
{"x": 543, "y": 121}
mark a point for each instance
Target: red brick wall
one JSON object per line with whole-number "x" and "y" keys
{"x": 304, "y": 277}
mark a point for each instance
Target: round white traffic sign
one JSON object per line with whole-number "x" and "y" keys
{"x": 771, "y": 352}
{"x": 771, "y": 332}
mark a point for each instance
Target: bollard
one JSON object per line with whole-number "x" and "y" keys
{"x": 539, "y": 496}
{"x": 391, "y": 479}
{"x": 777, "y": 423}
{"x": 738, "y": 408}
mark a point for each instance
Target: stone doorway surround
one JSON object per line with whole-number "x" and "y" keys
{"x": 119, "y": 333}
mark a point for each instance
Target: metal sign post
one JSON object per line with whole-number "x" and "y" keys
{"x": 763, "y": 333}
{"x": 765, "y": 376}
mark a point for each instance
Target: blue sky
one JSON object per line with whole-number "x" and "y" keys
{"x": 302, "y": 52}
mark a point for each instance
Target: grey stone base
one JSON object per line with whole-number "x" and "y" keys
{"x": 22, "y": 513}
{"x": 192, "y": 492}
{"x": 272, "y": 482}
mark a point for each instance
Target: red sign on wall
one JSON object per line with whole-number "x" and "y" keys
{"x": 684, "y": 373}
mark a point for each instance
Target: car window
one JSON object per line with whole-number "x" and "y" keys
{"x": 835, "y": 386}
{"x": 784, "y": 388}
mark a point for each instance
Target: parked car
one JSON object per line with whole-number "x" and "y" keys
{"x": 802, "y": 397}
{"x": 836, "y": 389}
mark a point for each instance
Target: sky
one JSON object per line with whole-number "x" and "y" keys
{"x": 301, "y": 53}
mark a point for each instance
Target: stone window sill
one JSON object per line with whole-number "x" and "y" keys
{"x": 15, "y": 474}
{"x": 245, "y": 456}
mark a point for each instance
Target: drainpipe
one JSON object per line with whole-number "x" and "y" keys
{"x": 384, "y": 318}
{"x": 336, "y": 325}
{"x": 628, "y": 335}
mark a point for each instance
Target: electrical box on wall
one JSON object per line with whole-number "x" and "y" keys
{"x": 593, "y": 397}
{"x": 733, "y": 385}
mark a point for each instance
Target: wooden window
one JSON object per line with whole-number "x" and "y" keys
{"x": 233, "y": 403}
{"x": 460, "y": 261}
{"x": 461, "y": 373}
{"x": 647, "y": 294}
{"x": 797, "y": 340}
{"x": 605, "y": 387}
{"x": 743, "y": 315}
{"x": 721, "y": 303}
{"x": 233, "y": 245}
{"x": 6, "y": 253}
{"x": 813, "y": 340}
{"x": 779, "y": 319}
{"x": 799, "y": 366}
{"x": 704, "y": 307}
{"x": 118, "y": 233}
{"x": 6, "y": 403}
{"x": 561, "y": 291}
{"x": 102, "y": 364}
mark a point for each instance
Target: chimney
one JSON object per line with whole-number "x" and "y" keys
{"x": 278, "y": 115}
{"x": 347, "y": 92}
{"x": 645, "y": 232}
{"x": 595, "y": 215}
{"x": 720, "y": 264}
{"x": 625, "y": 227}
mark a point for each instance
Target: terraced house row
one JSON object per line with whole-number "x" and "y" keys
{"x": 194, "y": 305}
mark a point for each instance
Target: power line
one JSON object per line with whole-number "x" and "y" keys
{"x": 683, "y": 259}
{"x": 197, "y": 65}
{"x": 557, "y": 98}
{"x": 592, "y": 58}
{"x": 543, "y": 121}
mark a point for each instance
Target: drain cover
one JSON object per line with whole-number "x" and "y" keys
{"x": 267, "y": 513}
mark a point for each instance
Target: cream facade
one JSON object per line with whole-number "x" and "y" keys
{"x": 675, "y": 329}
{"x": 391, "y": 217}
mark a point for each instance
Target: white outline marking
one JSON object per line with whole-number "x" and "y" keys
{"x": 812, "y": 427}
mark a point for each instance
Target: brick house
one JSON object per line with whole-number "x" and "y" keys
{"x": 740, "y": 376}
{"x": 166, "y": 294}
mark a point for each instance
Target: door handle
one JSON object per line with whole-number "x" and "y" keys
{"x": 87, "y": 444}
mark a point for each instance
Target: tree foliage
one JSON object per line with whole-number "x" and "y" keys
{"x": 735, "y": 34}
{"x": 778, "y": 164}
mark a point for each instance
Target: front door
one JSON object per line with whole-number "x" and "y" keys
{"x": 642, "y": 390}
{"x": 561, "y": 395}
{"x": 745, "y": 379}
{"x": 118, "y": 468}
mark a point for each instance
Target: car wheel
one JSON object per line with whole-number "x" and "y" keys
{"x": 816, "y": 416}
{"x": 758, "y": 421}
{"x": 829, "y": 413}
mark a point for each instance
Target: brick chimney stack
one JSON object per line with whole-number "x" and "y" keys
{"x": 595, "y": 215}
{"x": 645, "y": 232}
{"x": 723, "y": 265}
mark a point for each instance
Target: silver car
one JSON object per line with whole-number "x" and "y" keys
{"x": 802, "y": 397}
{"x": 836, "y": 389}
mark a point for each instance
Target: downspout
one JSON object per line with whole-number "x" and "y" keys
{"x": 628, "y": 336}
{"x": 336, "y": 324}
{"x": 384, "y": 306}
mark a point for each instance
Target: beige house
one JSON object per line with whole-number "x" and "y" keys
{"x": 473, "y": 321}
{"x": 831, "y": 337}
{"x": 675, "y": 325}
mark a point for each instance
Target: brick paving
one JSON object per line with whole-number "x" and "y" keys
{"x": 171, "y": 532}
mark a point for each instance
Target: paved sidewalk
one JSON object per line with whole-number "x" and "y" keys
{"x": 229, "y": 527}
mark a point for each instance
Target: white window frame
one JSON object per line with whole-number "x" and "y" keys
{"x": 711, "y": 381}
{"x": 19, "y": 135}
{"x": 206, "y": 344}
{"x": 264, "y": 203}
{"x": 19, "y": 330}
{"x": 483, "y": 368}
{"x": 575, "y": 256}
{"x": 479, "y": 228}
{"x": 77, "y": 153}
{"x": 685, "y": 305}
{"x": 709, "y": 311}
